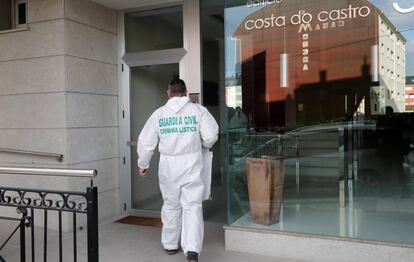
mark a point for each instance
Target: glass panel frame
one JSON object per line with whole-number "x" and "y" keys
{"x": 189, "y": 59}
{"x": 162, "y": 28}
{"x": 322, "y": 85}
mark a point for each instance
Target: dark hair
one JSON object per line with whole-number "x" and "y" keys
{"x": 177, "y": 85}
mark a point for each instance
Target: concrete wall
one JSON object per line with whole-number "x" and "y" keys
{"x": 58, "y": 94}
{"x": 91, "y": 102}
{"x": 32, "y": 97}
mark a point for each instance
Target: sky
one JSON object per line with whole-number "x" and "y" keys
{"x": 233, "y": 18}
{"x": 403, "y": 22}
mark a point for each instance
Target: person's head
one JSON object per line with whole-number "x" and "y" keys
{"x": 389, "y": 111}
{"x": 176, "y": 87}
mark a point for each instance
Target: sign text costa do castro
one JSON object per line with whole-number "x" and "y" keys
{"x": 303, "y": 17}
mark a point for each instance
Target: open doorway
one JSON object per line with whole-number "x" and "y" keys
{"x": 147, "y": 93}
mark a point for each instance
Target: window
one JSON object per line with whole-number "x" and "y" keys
{"x": 165, "y": 32}
{"x": 21, "y": 11}
{"x": 13, "y": 14}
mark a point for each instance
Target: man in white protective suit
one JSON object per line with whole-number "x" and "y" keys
{"x": 182, "y": 130}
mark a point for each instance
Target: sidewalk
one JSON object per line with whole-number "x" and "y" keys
{"x": 127, "y": 243}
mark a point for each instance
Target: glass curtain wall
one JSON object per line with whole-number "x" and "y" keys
{"x": 319, "y": 107}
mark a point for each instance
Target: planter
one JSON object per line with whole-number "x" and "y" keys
{"x": 265, "y": 177}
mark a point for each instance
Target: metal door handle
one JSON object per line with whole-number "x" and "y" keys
{"x": 132, "y": 143}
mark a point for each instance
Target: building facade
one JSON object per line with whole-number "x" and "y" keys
{"x": 409, "y": 94}
{"x": 391, "y": 65}
{"x": 59, "y": 95}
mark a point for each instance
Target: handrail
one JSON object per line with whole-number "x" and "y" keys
{"x": 59, "y": 157}
{"x": 33, "y": 201}
{"x": 49, "y": 172}
{"x": 308, "y": 130}
{"x": 132, "y": 143}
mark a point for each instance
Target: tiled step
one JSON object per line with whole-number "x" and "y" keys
{"x": 333, "y": 162}
{"x": 313, "y": 171}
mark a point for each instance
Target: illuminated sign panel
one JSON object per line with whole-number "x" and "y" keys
{"x": 327, "y": 47}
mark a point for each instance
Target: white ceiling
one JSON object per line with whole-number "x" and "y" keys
{"x": 126, "y": 4}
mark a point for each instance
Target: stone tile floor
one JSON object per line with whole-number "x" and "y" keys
{"x": 128, "y": 243}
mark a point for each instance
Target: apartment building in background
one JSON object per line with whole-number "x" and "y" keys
{"x": 409, "y": 93}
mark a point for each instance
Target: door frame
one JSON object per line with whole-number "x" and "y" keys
{"x": 189, "y": 59}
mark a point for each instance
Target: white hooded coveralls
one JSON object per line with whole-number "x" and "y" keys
{"x": 182, "y": 129}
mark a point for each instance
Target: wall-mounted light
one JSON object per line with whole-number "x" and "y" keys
{"x": 374, "y": 64}
{"x": 284, "y": 63}
{"x": 284, "y": 74}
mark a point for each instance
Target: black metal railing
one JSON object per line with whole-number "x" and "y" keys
{"x": 22, "y": 223}
{"x": 47, "y": 201}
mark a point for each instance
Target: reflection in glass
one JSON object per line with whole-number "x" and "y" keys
{"x": 341, "y": 119}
